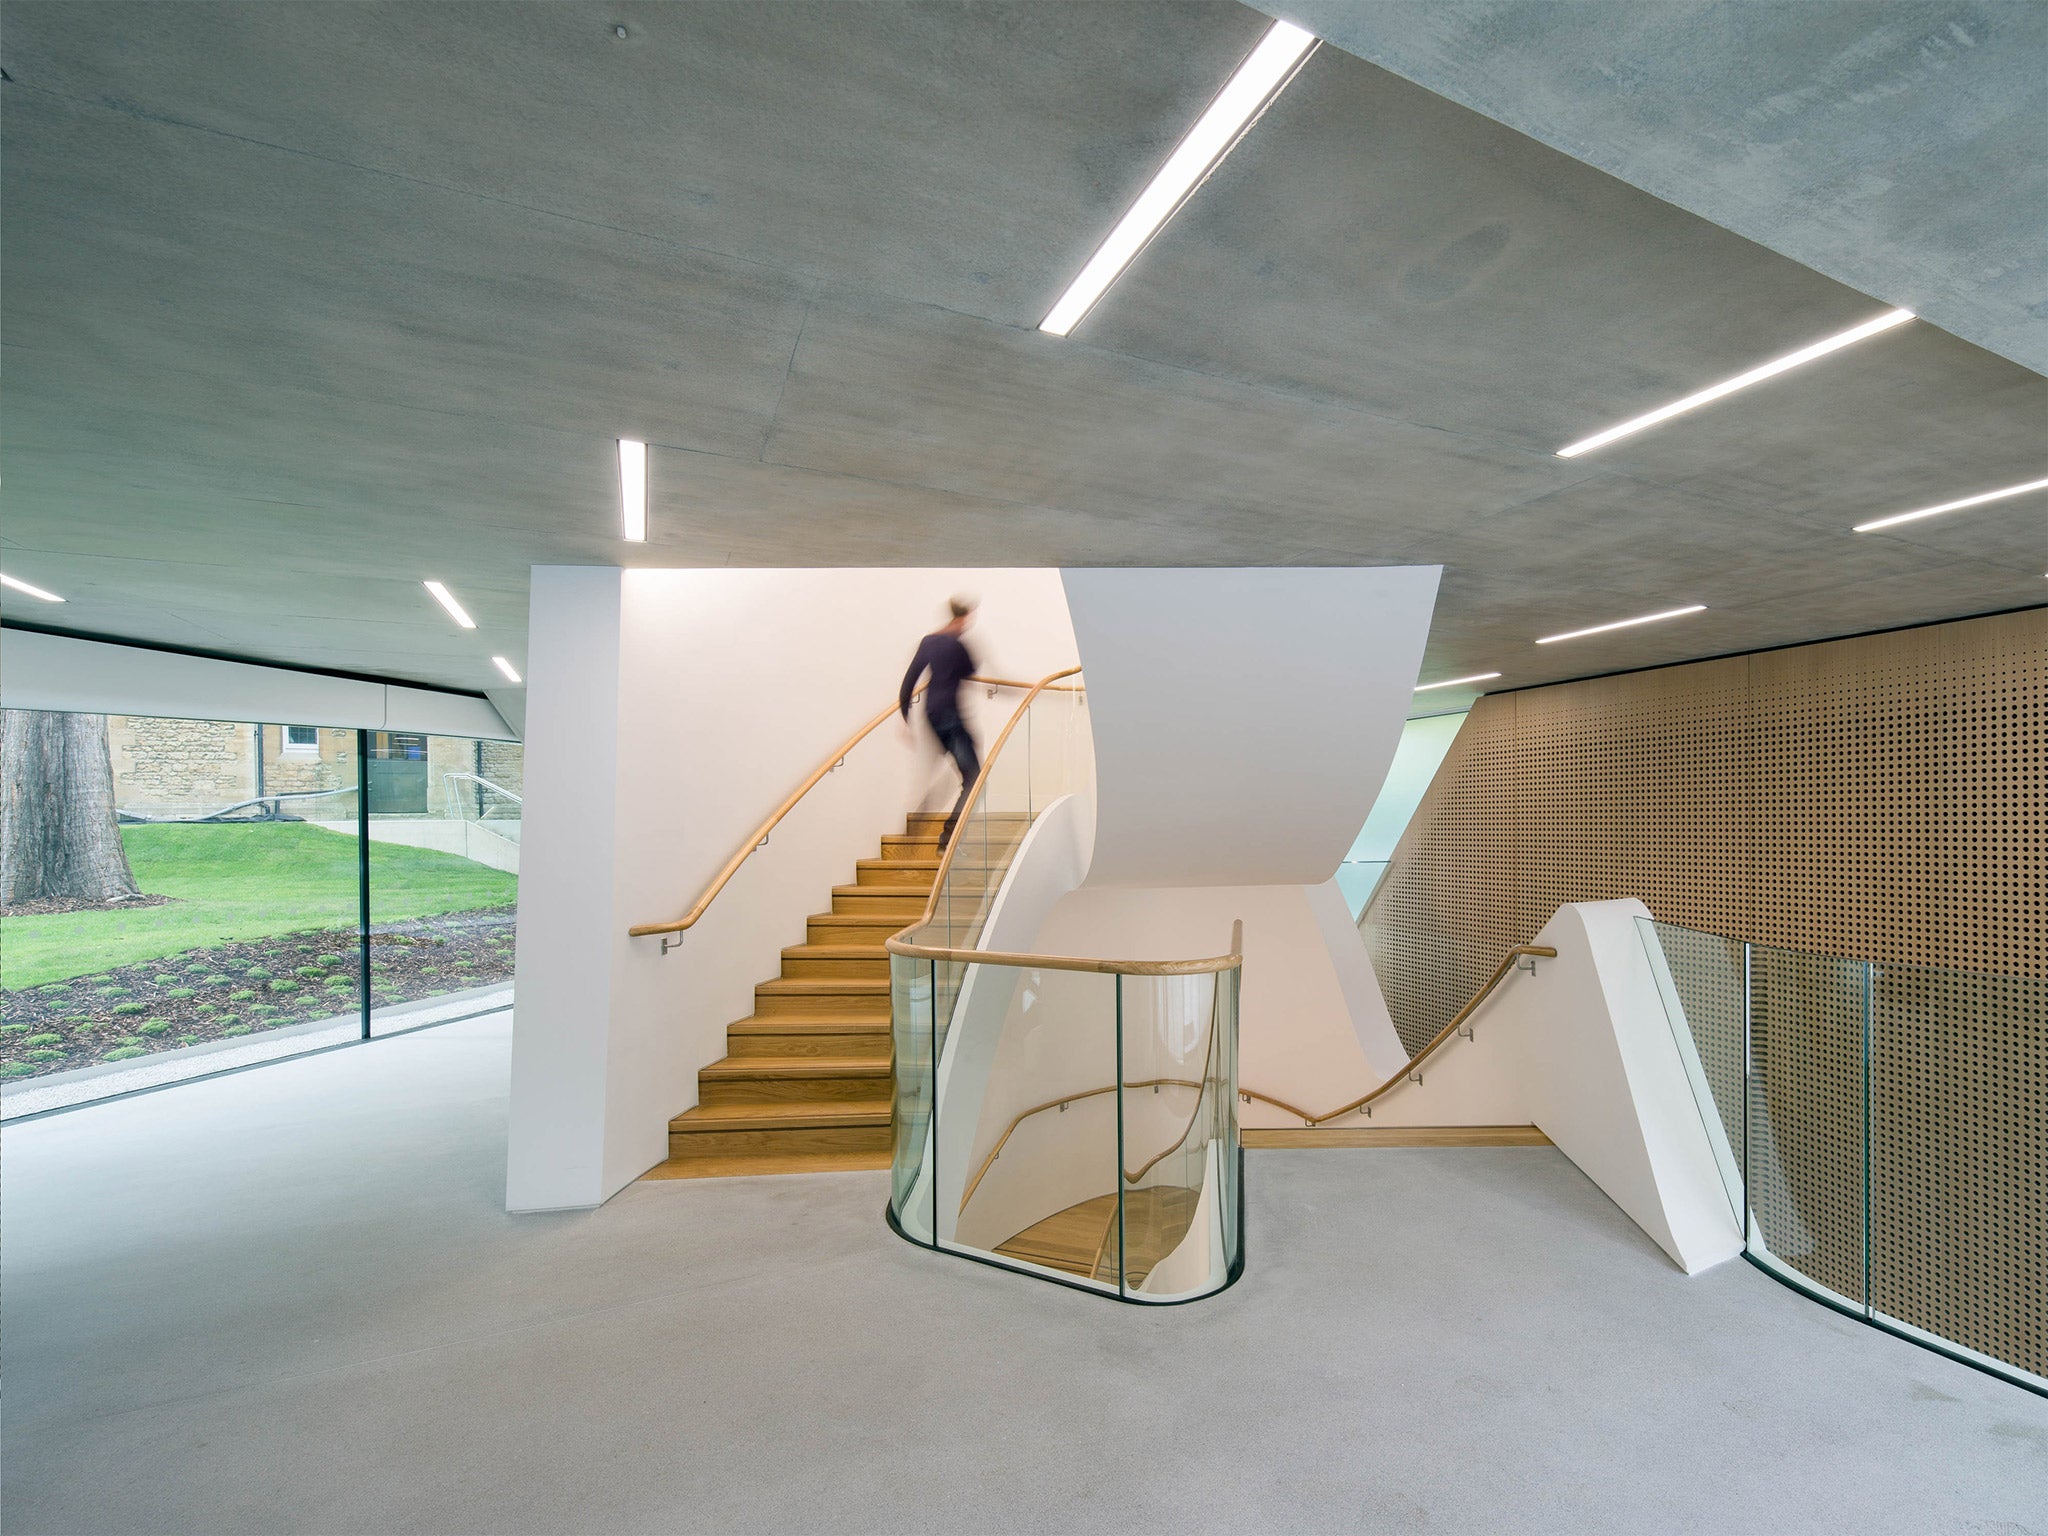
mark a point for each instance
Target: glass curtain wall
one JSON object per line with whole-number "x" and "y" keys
{"x": 444, "y": 819}
{"x": 179, "y": 897}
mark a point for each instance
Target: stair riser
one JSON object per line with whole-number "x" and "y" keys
{"x": 805, "y": 968}
{"x": 822, "y": 929}
{"x": 863, "y": 1044}
{"x": 877, "y": 1091}
{"x": 894, "y": 848}
{"x": 826, "y": 1005}
{"x": 894, "y": 873}
{"x": 881, "y": 903}
{"x": 835, "y": 1138}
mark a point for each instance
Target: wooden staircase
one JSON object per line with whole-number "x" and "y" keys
{"x": 807, "y": 1084}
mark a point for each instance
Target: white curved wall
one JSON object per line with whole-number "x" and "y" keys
{"x": 1244, "y": 719}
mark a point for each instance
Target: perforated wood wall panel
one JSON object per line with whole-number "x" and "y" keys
{"x": 1880, "y": 799}
{"x": 1884, "y": 798}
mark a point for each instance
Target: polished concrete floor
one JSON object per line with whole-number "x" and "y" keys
{"x": 289, "y": 1301}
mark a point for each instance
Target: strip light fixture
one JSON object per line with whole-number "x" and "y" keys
{"x": 633, "y": 489}
{"x": 447, "y": 600}
{"x": 1952, "y": 506}
{"x": 1259, "y": 79}
{"x": 505, "y": 667}
{"x": 1452, "y": 682}
{"x": 1757, "y": 375}
{"x": 1648, "y": 618}
{"x": 16, "y": 584}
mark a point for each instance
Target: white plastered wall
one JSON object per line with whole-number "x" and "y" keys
{"x": 668, "y": 712}
{"x": 1582, "y": 1049}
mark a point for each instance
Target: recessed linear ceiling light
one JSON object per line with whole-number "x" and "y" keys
{"x": 1259, "y": 79}
{"x": 16, "y": 585}
{"x": 505, "y": 667}
{"x": 447, "y": 600}
{"x": 1452, "y": 682}
{"x": 1953, "y": 506}
{"x": 1648, "y": 618}
{"x": 633, "y": 490}
{"x": 1790, "y": 360}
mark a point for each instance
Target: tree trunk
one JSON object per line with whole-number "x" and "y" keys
{"x": 58, "y": 835}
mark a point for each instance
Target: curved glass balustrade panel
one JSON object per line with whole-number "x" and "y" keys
{"x": 1043, "y": 753}
{"x": 1069, "y": 1122}
{"x": 1882, "y": 1129}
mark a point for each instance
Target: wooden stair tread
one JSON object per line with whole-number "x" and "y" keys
{"x": 833, "y": 951}
{"x": 809, "y": 1024}
{"x": 732, "y": 1165}
{"x": 773, "y": 1117}
{"x": 749, "y": 1067}
{"x": 824, "y": 986}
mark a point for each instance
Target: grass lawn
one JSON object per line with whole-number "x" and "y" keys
{"x": 242, "y": 882}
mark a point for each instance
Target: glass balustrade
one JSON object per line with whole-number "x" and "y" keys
{"x": 1071, "y": 1122}
{"x": 1053, "y": 1116}
{"x": 1883, "y": 1132}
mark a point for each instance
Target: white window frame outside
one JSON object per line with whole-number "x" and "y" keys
{"x": 300, "y": 748}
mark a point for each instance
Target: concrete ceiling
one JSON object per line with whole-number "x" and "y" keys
{"x": 308, "y": 302}
{"x": 1895, "y": 145}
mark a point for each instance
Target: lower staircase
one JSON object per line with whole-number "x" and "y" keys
{"x": 806, "y": 1085}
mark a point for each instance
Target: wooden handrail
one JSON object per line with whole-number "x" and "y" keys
{"x": 760, "y": 835}
{"x": 1447, "y": 1033}
{"x": 1436, "y": 1042}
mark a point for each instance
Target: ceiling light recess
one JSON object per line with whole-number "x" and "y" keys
{"x": 1648, "y": 618}
{"x": 633, "y": 490}
{"x": 1952, "y": 506}
{"x": 505, "y": 667}
{"x": 1757, "y": 375}
{"x": 1259, "y": 79}
{"x": 1452, "y": 682}
{"x": 16, "y": 584}
{"x": 447, "y": 600}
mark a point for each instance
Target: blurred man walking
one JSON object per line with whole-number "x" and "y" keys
{"x": 945, "y": 655}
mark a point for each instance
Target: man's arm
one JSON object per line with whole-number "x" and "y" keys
{"x": 917, "y": 666}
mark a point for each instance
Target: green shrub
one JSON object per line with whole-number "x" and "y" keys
{"x": 462, "y": 960}
{"x": 153, "y": 1027}
{"x": 241, "y": 995}
{"x": 55, "y": 986}
{"x": 12, "y": 1029}
{"x": 128, "y": 1008}
{"x": 310, "y": 970}
{"x": 234, "y": 1029}
{"x": 263, "y": 1007}
{"x": 284, "y": 984}
{"x": 217, "y": 979}
{"x": 16, "y": 1069}
{"x": 43, "y": 1055}
{"x": 307, "y": 949}
{"x": 179, "y": 992}
{"x": 124, "y": 1053}
{"x": 165, "y": 980}
{"x": 188, "y": 1039}
{"x": 43, "y": 1040}
{"x": 336, "y": 959}
{"x": 257, "y": 973}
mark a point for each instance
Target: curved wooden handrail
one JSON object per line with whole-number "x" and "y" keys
{"x": 1436, "y": 1042}
{"x": 760, "y": 835}
{"x": 1071, "y": 1098}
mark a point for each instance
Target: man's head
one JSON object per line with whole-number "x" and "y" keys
{"x": 962, "y": 609}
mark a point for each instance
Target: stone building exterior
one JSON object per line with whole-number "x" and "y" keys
{"x": 182, "y": 768}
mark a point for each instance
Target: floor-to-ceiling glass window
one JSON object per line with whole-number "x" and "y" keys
{"x": 180, "y": 897}
{"x": 444, "y": 875}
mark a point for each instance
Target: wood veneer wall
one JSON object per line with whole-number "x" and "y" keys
{"x": 1877, "y": 799}
{"x": 1883, "y": 798}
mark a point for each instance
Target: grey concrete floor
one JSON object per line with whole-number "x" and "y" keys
{"x": 289, "y": 1301}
